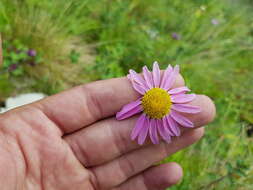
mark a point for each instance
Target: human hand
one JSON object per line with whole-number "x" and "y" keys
{"x": 73, "y": 141}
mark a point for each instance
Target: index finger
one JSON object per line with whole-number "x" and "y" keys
{"x": 83, "y": 105}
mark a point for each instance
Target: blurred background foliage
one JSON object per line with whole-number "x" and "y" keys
{"x": 49, "y": 46}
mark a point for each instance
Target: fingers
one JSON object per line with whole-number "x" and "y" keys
{"x": 119, "y": 170}
{"x": 85, "y": 104}
{"x": 208, "y": 111}
{"x": 155, "y": 178}
{"x": 89, "y": 143}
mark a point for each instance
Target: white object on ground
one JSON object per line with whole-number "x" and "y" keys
{"x": 21, "y": 100}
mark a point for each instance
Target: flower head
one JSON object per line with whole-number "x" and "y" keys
{"x": 31, "y": 53}
{"x": 13, "y": 67}
{"x": 175, "y": 36}
{"x": 214, "y": 21}
{"x": 160, "y": 105}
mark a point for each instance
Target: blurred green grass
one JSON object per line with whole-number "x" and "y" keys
{"x": 212, "y": 41}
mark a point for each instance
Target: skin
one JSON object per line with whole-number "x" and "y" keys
{"x": 72, "y": 141}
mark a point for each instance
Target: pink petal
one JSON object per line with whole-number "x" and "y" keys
{"x": 179, "y": 90}
{"x": 167, "y": 127}
{"x": 130, "y": 105}
{"x": 185, "y": 108}
{"x": 183, "y": 121}
{"x": 182, "y": 98}
{"x": 163, "y": 131}
{"x": 140, "y": 124}
{"x": 138, "y": 79}
{"x": 134, "y": 111}
{"x": 171, "y": 78}
{"x": 144, "y": 132}
{"x": 153, "y": 132}
{"x": 174, "y": 127}
{"x": 156, "y": 74}
{"x": 148, "y": 77}
{"x": 138, "y": 88}
{"x": 129, "y": 110}
{"x": 166, "y": 74}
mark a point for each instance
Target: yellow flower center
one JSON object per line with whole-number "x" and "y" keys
{"x": 156, "y": 103}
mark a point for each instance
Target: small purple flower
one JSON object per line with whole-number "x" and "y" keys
{"x": 214, "y": 21}
{"x": 32, "y": 63}
{"x": 13, "y": 67}
{"x": 175, "y": 36}
{"x": 31, "y": 53}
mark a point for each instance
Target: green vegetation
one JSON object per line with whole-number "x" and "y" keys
{"x": 78, "y": 41}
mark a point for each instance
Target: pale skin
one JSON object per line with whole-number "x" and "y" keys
{"x": 72, "y": 141}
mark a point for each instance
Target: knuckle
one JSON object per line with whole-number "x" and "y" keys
{"x": 93, "y": 104}
{"x": 127, "y": 167}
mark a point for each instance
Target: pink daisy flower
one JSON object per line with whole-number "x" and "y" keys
{"x": 160, "y": 105}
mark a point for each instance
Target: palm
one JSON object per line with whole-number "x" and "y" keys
{"x": 45, "y": 160}
{"x": 63, "y": 143}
